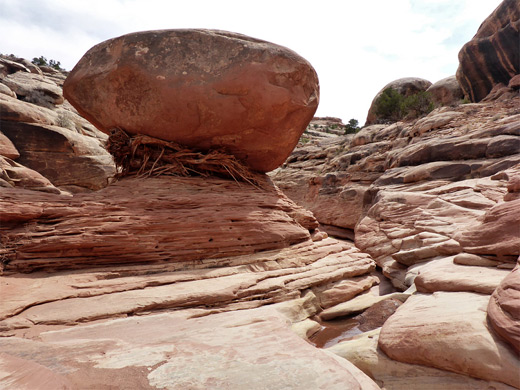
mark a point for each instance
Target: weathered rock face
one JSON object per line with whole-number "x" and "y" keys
{"x": 493, "y": 55}
{"x": 7, "y": 149}
{"x": 44, "y": 133}
{"x": 245, "y": 349}
{"x": 78, "y": 161}
{"x": 204, "y": 89}
{"x": 406, "y": 86}
{"x": 504, "y": 309}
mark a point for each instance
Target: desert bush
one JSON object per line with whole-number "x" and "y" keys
{"x": 392, "y": 106}
{"x": 417, "y": 105}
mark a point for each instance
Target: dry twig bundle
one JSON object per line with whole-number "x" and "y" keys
{"x": 142, "y": 155}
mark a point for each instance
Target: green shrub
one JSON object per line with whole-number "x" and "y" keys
{"x": 388, "y": 105}
{"x": 417, "y": 105}
{"x": 392, "y": 106}
{"x": 352, "y": 126}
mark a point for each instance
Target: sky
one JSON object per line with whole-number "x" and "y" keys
{"x": 356, "y": 47}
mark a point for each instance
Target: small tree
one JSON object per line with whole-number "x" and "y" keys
{"x": 42, "y": 61}
{"x": 352, "y": 126}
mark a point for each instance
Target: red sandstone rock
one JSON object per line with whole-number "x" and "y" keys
{"x": 493, "y": 55}
{"x": 201, "y": 88}
{"x": 496, "y": 233}
{"x": 7, "y": 149}
{"x": 504, "y": 309}
{"x": 153, "y": 220}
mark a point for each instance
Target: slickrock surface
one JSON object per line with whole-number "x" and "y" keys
{"x": 245, "y": 349}
{"x": 435, "y": 202}
{"x": 190, "y": 246}
{"x": 250, "y": 97}
{"x": 412, "y": 195}
{"x": 446, "y": 92}
{"x": 493, "y": 55}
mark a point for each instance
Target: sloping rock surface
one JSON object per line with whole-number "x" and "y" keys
{"x": 204, "y": 89}
{"x": 245, "y": 349}
{"x": 410, "y": 336}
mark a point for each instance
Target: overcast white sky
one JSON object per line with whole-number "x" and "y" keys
{"x": 355, "y": 46}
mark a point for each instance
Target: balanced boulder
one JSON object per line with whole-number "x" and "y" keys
{"x": 204, "y": 89}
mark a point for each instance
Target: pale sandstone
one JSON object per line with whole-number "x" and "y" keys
{"x": 448, "y": 330}
{"x": 496, "y": 233}
{"x": 474, "y": 260}
{"x": 390, "y": 374}
{"x": 77, "y": 161}
{"x": 358, "y": 304}
{"x": 34, "y": 88}
{"x": 433, "y": 121}
{"x": 445, "y": 275}
{"x": 242, "y": 349}
{"x": 17, "y": 175}
{"x": 15, "y": 110}
{"x": 446, "y": 91}
{"x": 7, "y": 149}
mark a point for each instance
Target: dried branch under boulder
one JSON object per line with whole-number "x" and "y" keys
{"x": 142, "y": 155}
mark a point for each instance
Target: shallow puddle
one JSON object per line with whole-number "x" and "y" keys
{"x": 333, "y": 332}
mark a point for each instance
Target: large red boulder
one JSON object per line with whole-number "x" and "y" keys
{"x": 205, "y": 89}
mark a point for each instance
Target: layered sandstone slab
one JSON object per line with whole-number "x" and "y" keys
{"x": 504, "y": 309}
{"x": 153, "y": 220}
{"x": 449, "y": 331}
{"x": 364, "y": 353}
{"x": 205, "y": 89}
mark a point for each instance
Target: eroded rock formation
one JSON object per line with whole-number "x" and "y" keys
{"x": 45, "y": 136}
{"x": 435, "y": 202}
{"x": 493, "y": 55}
